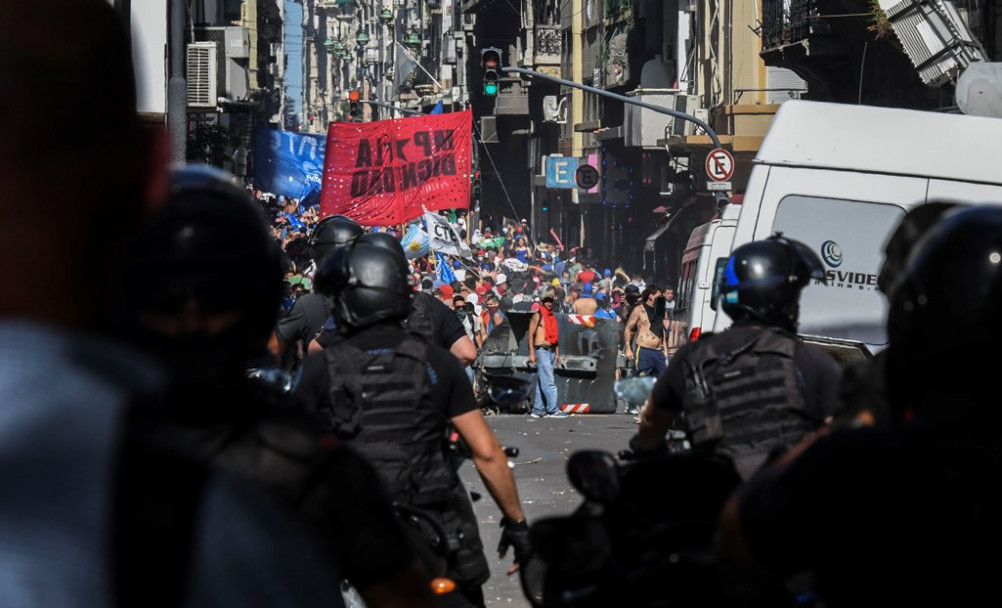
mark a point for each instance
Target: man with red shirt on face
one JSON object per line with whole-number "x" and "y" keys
{"x": 544, "y": 353}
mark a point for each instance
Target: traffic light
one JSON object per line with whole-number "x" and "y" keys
{"x": 353, "y": 113}
{"x": 475, "y": 189}
{"x": 490, "y": 62}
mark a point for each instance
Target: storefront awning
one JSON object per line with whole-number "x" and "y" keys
{"x": 649, "y": 241}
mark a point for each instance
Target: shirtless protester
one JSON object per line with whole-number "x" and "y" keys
{"x": 650, "y": 356}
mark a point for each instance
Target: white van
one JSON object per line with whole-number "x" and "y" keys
{"x": 709, "y": 246}
{"x": 840, "y": 177}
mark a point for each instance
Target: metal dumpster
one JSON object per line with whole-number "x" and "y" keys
{"x": 589, "y": 348}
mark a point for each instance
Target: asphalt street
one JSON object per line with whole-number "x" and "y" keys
{"x": 540, "y": 471}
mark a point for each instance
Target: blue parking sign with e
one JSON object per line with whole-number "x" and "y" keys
{"x": 560, "y": 171}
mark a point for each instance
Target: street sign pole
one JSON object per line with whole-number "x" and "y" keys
{"x": 720, "y": 196}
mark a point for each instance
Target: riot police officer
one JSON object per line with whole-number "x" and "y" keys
{"x": 754, "y": 388}
{"x": 310, "y": 312}
{"x": 203, "y": 282}
{"x": 429, "y": 317}
{"x": 390, "y": 394}
{"x": 904, "y": 513}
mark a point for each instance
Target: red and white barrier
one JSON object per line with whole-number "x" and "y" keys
{"x": 587, "y": 320}
{"x": 576, "y": 408}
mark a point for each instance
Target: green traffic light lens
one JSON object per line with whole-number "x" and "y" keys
{"x": 490, "y": 89}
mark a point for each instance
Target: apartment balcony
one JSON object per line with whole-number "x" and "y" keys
{"x": 795, "y": 29}
{"x": 548, "y": 45}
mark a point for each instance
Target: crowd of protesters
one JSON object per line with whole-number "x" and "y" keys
{"x": 506, "y": 271}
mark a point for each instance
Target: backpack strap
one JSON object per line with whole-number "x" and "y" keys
{"x": 157, "y": 495}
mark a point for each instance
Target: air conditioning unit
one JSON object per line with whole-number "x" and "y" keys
{"x": 554, "y": 109}
{"x": 704, "y": 115}
{"x": 688, "y": 104}
{"x": 201, "y": 75}
{"x": 934, "y": 37}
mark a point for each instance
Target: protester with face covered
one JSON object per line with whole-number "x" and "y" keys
{"x": 544, "y": 354}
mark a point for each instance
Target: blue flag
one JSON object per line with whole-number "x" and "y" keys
{"x": 438, "y": 108}
{"x": 445, "y": 273}
{"x": 288, "y": 163}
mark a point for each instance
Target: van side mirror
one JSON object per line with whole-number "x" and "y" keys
{"x": 718, "y": 282}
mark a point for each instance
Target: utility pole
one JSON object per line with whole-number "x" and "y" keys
{"x": 177, "y": 86}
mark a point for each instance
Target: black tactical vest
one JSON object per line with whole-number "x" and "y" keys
{"x": 746, "y": 402}
{"x": 382, "y": 408}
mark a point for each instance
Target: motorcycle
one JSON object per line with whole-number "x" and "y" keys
{"x": 503, "y": 393}
{"x": 643, "y": 536}
{"x": 634, "y": 390}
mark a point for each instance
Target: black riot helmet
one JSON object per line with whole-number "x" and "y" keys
{"x": 207, "y": 254}
{"x": 367, "y": 285}
{"x": 632, "y": 294}
{"x": 912, "y": 227}
{"x": 946, "y": 306}
{"x": 763, "y": 280}
{"x": 330, "y": 233}
{"x": 383, "y": 241}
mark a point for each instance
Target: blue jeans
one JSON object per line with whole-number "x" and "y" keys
{"x": 651, "y": 361}
{"x": 546, "y": 388}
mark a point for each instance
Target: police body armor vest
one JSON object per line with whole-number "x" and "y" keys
{"x": 746, "y": 402}
{"x": 382, "y": 408}
{"x": 421, "y": 320}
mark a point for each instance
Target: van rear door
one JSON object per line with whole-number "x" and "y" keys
{"x": 693, "y": 310}
{"x": 846, "y": 218}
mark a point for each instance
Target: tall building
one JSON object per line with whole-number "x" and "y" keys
{"x": 730, "y": 64}
{"x": 402, "y": 56}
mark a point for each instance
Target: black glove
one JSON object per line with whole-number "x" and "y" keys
{"x": 642, "y": 454}
{"x": 515, "y": 534}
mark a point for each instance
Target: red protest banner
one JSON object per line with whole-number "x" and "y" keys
{"x": 381, "y": 173}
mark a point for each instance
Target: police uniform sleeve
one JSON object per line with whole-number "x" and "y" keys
{"x": 294, "y": 326}
{"x": 450, "y": 386}
{"x": 447, "y": 325}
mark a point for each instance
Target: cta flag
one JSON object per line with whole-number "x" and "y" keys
{"x": 442, "y": 237}
{"x": 382, "y": 173}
